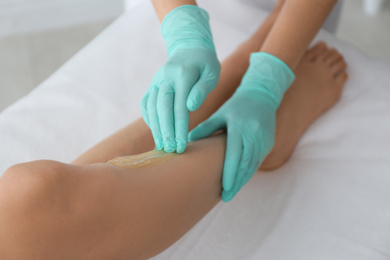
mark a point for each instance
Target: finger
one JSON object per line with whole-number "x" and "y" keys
{"x": 198, "y": 93}
{"x": 181, "y": 119}
{"x": 234, "y": 147}
{"x": 144, "y": 108}
{"x": 257, "y": 161}
{"x": 254, "y": 165}
{"x": 211, "y": 125}
{"x": 227, "y": 196}
{"x": 153, "y": 117}
{"x": 165, "y": 98}
{"x": 245, "y": 170}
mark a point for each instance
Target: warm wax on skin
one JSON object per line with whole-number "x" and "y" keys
{"x": 151, "y": 158}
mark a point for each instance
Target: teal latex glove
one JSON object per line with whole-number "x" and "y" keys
{"x": 249, "y": 116}
{"x": 183, "y": 83}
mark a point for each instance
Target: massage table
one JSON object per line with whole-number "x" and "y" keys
{"x": 331, "y": 200}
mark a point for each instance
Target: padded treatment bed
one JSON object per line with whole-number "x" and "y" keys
{"x": 331, "y": 200}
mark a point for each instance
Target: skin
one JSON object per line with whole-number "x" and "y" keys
{"x": 232, "y": 70}
{"x": 101, "y": 211}
{"x": 51, "y": 210}
{"x": 295, "y": 28}
{"x": 164, "y": 7}
{"x": 94, "y": 210}
{"x": 62, "y": 199}
{"x": 297, "y": 24}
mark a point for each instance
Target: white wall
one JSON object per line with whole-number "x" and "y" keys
{"x": 27, "y": 16}
{"x": 130, "y": 3}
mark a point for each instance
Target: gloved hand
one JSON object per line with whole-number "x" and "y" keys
{"x": 183, "y": 83}
{"x": 249, "y": 116}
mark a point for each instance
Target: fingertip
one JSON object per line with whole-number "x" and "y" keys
{"x": 227, "y": 196}
{"x": 159, "y": 146}
{"x": 227, "y": 181}
{"x": 169, "y": 148}
{"x": 181, "y": 130}
{"x": 194, "y": 135}
{"x": 158, "y": 143}
{"x": 191, "y": 137}
{"x": 205, "y": 129}
{"x": 181, "y": 146}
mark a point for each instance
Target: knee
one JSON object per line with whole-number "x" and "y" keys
{"x": 26, "y": 195}
{"x": 31, "y": 185}
{"x": 28, "y": 181}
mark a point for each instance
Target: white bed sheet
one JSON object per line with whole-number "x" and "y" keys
{"x": 330, "y": 201}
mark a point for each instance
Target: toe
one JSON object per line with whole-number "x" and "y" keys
{"x": 316, "y": 50}
{"x": 331, "y": 56}
{"x": 338, "y": 67}
{"x": 325, "y": 52}
{"x": 336, "y": 60}
{"x": 341, "y": 78}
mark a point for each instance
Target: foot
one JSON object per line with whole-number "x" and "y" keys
{"x": 320, "y": 77}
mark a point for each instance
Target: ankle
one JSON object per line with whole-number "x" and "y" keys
{"x": 275, "y": 159}
{"x": 271, "y": 162}
{"x": 281, "y": 151}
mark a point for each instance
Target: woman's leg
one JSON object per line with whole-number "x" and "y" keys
{"x": 137, "y": 138}
{"x": 320, "y": 78}
{"x": 50, "y": 210}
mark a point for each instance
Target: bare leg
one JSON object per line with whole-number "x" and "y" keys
{"x": 320, "y": 78}
{"x": 50, "y": 210}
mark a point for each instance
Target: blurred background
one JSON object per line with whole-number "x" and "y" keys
{"x": 38, "y": 36}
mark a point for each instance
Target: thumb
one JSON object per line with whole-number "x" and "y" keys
{"x": 199, "y": 92}
{"x": 211, "y": 125}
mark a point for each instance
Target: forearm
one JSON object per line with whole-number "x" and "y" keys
{"x": 163, "y": 7}
{"x": 296, "y": 26}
